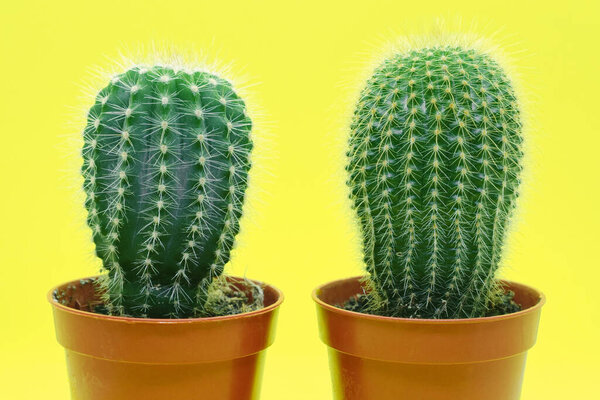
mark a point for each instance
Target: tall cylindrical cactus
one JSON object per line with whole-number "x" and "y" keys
{"x": 434, "y": 163}
{"x": 166, "y": 160}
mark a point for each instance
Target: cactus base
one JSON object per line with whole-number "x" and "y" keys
{"x": 222, "y": 297}
{"x": 363, "y": 303}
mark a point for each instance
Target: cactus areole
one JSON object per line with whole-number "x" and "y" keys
{"x": 165, "y": 163}
{"x": 434, "y": 163}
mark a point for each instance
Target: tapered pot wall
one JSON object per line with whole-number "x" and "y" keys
{"x": 116, "y": 358}
{"x": 373, "y": 357}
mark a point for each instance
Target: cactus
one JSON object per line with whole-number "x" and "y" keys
{"x": 433, "y": 168}
{"x": 166, "y": 160}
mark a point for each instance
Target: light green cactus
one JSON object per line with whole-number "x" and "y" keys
{"x": 434, "y": 164}
{"x": 166, "y": 160}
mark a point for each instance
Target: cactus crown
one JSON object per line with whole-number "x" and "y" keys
{"x": 434, "y": 163}
{"x": 166, "y": 160}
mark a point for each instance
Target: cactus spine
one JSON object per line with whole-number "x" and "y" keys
{"x": 434, "y": 163}
{"x": 166, "y": 159}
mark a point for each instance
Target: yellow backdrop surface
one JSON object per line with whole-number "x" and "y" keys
{"x": 305, "y": 60}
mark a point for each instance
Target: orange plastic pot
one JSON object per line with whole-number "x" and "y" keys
{"x": 120, "y": 358}
{"x": 373, "y": 357}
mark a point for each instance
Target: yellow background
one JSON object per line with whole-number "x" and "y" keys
{"x": 307, "y": 58}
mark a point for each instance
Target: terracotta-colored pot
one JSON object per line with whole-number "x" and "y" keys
{"x": 381, "y": 358}
{"x": 120, "y": 358}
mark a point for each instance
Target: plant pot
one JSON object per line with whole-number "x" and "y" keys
{"x": 118, "y": 358}
{"x": 373, "y": 357}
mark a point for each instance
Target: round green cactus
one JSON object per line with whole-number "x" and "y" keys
{"x": 166, "y": 160}
{"x": 434, "y": 164}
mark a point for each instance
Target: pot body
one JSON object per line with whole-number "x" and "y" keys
{"x": 374, "y": 357}
{"x": 120, "y": 358}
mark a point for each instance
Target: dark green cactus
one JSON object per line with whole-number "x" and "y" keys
{"x": 434, "y": 164}
{"x": 166, "y": 160}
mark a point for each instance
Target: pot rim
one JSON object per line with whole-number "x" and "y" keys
{"x": 426, "y": 321}
{"x": 88, "y": 314}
